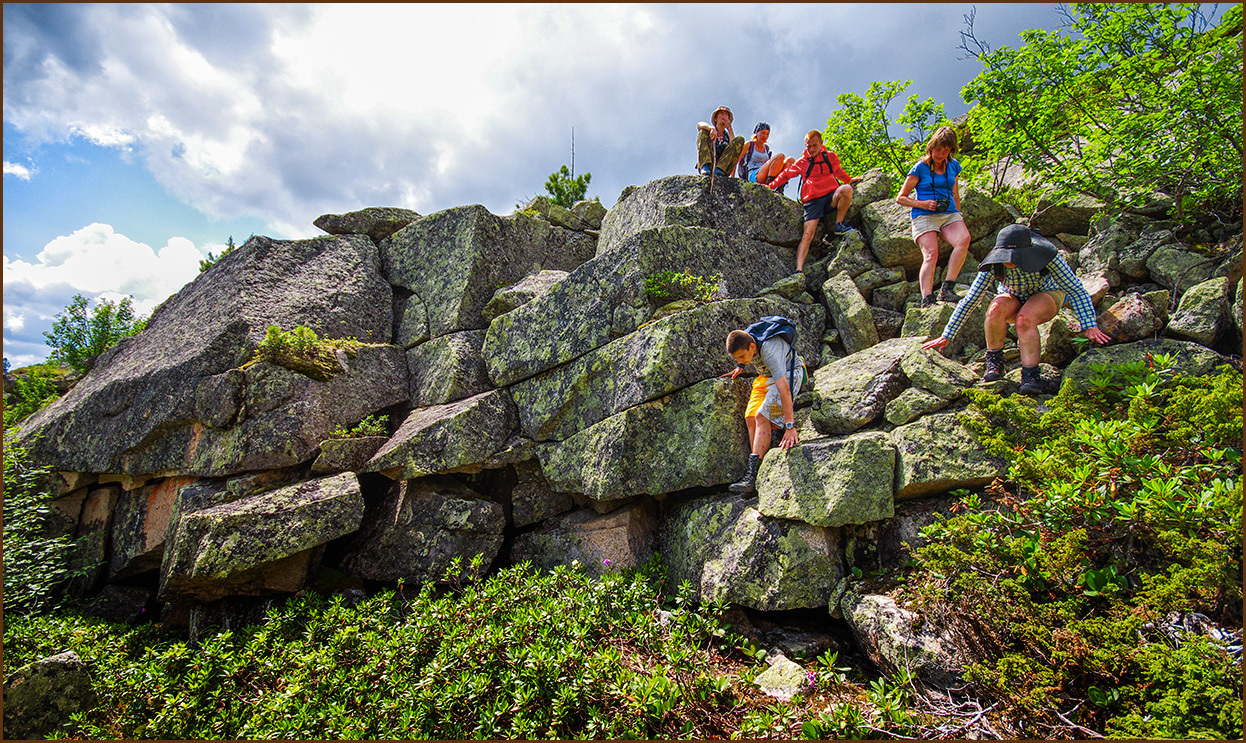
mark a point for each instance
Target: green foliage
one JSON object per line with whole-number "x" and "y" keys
{"x": 1127, "y": 100}
{"x": 80, "y": 335}
{"x": 373, "y": 425}
{"x": 565, "y": 189}
{"x": 1124, "y": 505}
{"x": 35, "y": 389}
{"x": 35, "y": 563}
{"x": 206, "y": 263}
{"x": 303, "y": 351}
{"x": 859, "y": 132}
{"x": 668, "y": 286}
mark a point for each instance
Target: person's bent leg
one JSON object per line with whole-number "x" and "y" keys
{"x": 1037, "y": 310}
{"x": 957, "y": 235}
{"x": 705, "y": 153}
{"x": 928, "y": 243}
{"x": 727, "y": 161}
{"x": 806, "y": 239}
{"x": 842, "y": 200}
{"x": 1003, "y": 309}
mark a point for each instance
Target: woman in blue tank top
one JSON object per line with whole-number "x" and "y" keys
{"x": 936, "y": 213}
{"x": 757, "y": 164}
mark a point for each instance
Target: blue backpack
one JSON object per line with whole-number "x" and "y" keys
{"x": 777, "y": 326}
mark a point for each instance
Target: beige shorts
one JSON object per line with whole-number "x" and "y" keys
{"x": 934, "y": 222}
{"x": 1056, "y": 294}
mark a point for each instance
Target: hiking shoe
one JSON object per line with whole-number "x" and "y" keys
{"x": 719, "y": 171}
{"x": 946, "y": 294}
{"x": 705, "y": 170}
{"x": 994, "y": 366}
{"x": 1031, "y": 382}
{"x": 843, "y": 228}
{"x": 749, "y": 483}
{"x": 930, "y": 300}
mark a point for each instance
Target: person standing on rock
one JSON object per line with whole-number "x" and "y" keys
{"x": 758, "y": 164}
{"x": 1034, "y": 282}
{"x": 824, "y": 185}
{"x": 767, "y": 345}
{"x": 717, "y": 146}
{"x": 936, "y": 212}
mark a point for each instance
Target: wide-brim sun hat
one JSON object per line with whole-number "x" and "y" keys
{"x": 730, "y": 116}
{"x": 1021, "y": 246}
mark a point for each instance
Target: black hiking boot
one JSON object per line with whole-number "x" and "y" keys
{"x": 930, "y": 300}
{"x": 749, "y": 483}
{"x": 1031, "y": 382}
{"x": 994, "y": 365}
{"x": 946, "y": 293}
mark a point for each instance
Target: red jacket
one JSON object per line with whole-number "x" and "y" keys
{"x": 821, "y": 179}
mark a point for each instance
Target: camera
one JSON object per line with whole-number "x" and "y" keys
{"x": 941, "y": 204}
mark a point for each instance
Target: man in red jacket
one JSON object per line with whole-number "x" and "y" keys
{"x": 825, "y": 185}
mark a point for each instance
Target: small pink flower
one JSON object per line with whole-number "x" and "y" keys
{"x": 606, "y": 562}
{"x": 812, "y": 676}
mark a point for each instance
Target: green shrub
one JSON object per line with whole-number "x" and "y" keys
{"x": 372, "y": 425}
{"x": 35, "y": 390}
{"x": 303, "y": 351}
{"x": 79, "y": 335}
{"x": 668, "y": 286}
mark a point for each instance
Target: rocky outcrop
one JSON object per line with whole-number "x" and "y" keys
{"x": 598, "y": 542}
{"x": 377, "y": 223}
{"x": 830, "y": 482}
{"x": 896, "y": 640}
{"x": 851, "y": 392}
{"x": 937, "y": 453}
{"x": 41, "y": 696}
{"x": 455, "y": 437}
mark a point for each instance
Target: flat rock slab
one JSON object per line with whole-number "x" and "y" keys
{"x": 448, "y": 368}
{"x": 937, "y": 453}
{"x": 420, "y": 526}
{"x": 378, "y": 222}
{"x": 830, "y": 482}
{"x": 346, "y": 455}
{"x": 223, "y": 550}
{"x": 615, "y": 541}
{"x": 851, "y": 392}
{"x": 456, "y": 437}
{"x": 727, "y": 550}
{"x": 692, "y": 438}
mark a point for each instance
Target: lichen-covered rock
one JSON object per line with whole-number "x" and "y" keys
{"x": 829, "y": 482}
{"x": 870, "y": 280}
{"x": 698, "y": 436}
{"x": 894, "y": 639}
{"x": 929, "y": 370}
{"x": 983, "y": 217}
{"x": 850, "y": 313}
{"x": 1202, "y": 315}
{"x": 1192, "y": 359}
{"x": 454, "y": 260}
{"x": 532, "y": 498}
{"x": 260, "y": 543}
{"x": 912, "y": 404}
{"x": 1134, "y": 256}
{"x": 852, "y": 254}
{"x": 886, "y": 322}
{"x": 888, "y": 228}
{"x": 411, "y": 321}
{"x": 455, "y": 437}
{"x": 881, "y": 545}
{"x": 929, "y": 322}
{"x": 1056, "y": 337}
{"x": 588, "y": 214}
{"x": 518, "y": 294}
{"x": 727, "y": 550}
{"x": 783, "y": 680}
{"x": 1237, "y": 306}
{"x": 1072, "y": 216}
{"x": 850, "y": 392}
{"x": 664, "y": 356}
{"x": 1135, "y": 317}
{"x": 747, "y": 210}
{"x": 618, "y": 540}
{"x": 41, "y": 696}
{"x": 448, "y": 368}
{"x": 419, "y": 527}
{"x": 606, "y": 299}
{"x": 346, "y": 455}
{"x": 893, "y": 297}
{"x": 1178, "y": 269}
{"x": 137, "y": 411}
{"x": 937, "y": 453}
{"x": 875, "y": 185}
{"x": 376, "y": 222}
{"x": 140, "y": 525}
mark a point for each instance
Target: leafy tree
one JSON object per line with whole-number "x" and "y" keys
{"x": 859, "y": 132}
{"x": 80, "y": 335}
{"x": 1127, "y": 100}
{"x": 206, "y": 263}
{"x": 565, "y": 189}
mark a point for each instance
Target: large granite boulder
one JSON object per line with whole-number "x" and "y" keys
{"x": 984, "y": 217}
{"x": 895, "y": 639}
{"x": 888, "y": 228}
{"x": 876, "y": 185}
{"x": 911, "y": 404}
{"x": 346, "y": 455}
{"x": 455, "y": 437}
{"x": 698, "y": 436}
{"x": 447, "y": 368}
{"x": 1202, "y": 315}
{"x": 259, "y": 544}
{"x": 139, "y": 410}
{"x": 40, "y": 697}
{"x": 605, "y": 298}
{"x": 533, "y": 499}
{"x": 727, "y": 550}
{"x": 852, "y": 254}
{"x": 937, "y": 453}
{"x": 735, "y": 207}
{"x": 1071, "y": 216}
{"x": 419, "y": 526}
{"x": 1178, "y": 269}
{"x": 851, "y": 392}
{"x": 662, "y": 357}
{"x": 929, "y": 370}
{"x": 1134, "y": 256}
{"x": 850, "y": 313}
{"x": 929, "y": 322}
{"x": 140, "y": 524}
{"x": 622, "y": 539}
{"x": 830, "y": 482}
{"x": 454, "y": 260}
{"x": 1135, "y": 316}
{"x": 378, "y": 222}
{"x": 517, "y": 295}
{"x": 1192, "y": 359}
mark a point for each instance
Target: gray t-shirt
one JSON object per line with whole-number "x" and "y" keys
{"x": 771, "y": 358}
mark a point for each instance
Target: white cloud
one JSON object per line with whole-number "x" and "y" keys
{"x": 21, "y": 171}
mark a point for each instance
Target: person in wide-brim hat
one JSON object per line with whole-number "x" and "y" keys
{"x": 1034, "y": 282}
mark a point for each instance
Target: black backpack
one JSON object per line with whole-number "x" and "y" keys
{"x": 825, "y": 158}
{"x": 777, "y": 326}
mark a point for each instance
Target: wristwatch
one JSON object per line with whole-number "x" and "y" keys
{"x": 789, "y": 425}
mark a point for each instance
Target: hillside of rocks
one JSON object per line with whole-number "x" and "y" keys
{"x": 542, "y": 405}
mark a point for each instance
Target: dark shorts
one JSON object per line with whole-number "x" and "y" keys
{"x": 815, "y": 208}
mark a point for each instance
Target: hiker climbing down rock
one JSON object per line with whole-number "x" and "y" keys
{"x": 758, "y": 164}
{"x": 1034, "y": 282}
{"x": 824, "y": 185}
{"x": 936, "y": 213}
{"x": 768, "y": 345}
{"x": 718, "y": 148}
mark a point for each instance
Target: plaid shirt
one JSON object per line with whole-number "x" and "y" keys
{"x": 1024, "y": 285}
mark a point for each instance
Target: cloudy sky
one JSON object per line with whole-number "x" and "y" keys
{"x": 137, "y": 138}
